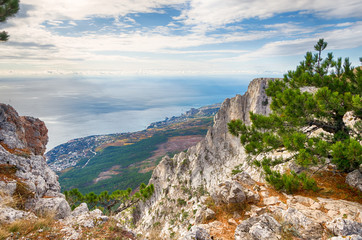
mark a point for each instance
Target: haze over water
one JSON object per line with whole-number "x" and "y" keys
{"x": 79, "y": 106}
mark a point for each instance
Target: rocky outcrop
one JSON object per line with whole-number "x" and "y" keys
{"x": 261, "y": 227}
{"x": 203, "y": 167}
{"x": 354, "y": 179}
{"x": 24, "y": 174}
{"x": 22, "y": 134}
{"x": 190, "y": 183}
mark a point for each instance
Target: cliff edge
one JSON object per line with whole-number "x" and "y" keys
{"x": 212, "y": 191}
{"x": 27, "y": 185}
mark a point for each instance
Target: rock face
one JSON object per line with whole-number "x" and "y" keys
{"x": 190, "y": 183}
{"x": 354, "y": 179}
{"x": 262, "y": 227}
{"x": 22, "y": 133}
{"x": 24, "y": 173}
{"x": 209, "y": 163}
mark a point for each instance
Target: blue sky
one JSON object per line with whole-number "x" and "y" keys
{"x": 66, "y": 45}
{"x": 163, "y": 38}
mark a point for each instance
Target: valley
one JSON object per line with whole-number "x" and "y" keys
{"x": 122, "y": 160}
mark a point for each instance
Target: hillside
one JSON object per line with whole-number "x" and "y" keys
{"x": 212, "y": 190}
{"x": 119, "y": 161}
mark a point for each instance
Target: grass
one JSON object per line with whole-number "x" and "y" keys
{"x": 47, "y": 228}
{"x": 332, "y": 185}
{"x": 24, "y": 227}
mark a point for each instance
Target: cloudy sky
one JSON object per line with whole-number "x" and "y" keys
{"x": 90, "y": 66}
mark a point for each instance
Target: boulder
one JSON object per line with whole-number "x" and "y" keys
{"x": 209, "y": 214}
{"x": 345, "y": 227}
{"x": 306, "y": 227}
{"x": 354, "y": 179}
{"x": 80, "y": 210}
{"x": 236, "y": 194}
{"x": 9, "y": 215}
{"x": 58, "y": 206}
{"x": 244, "y": 178}
{"x": 260, "y": 227}
{"x": 197, "y": 233}
{"x": 229, "y": 192}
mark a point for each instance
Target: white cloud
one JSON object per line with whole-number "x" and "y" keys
{"x": 216, "y": 13}
{"x": 39, "y": 50}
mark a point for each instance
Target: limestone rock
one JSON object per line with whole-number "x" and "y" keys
{"x": 345, "y": 227}
{"x": 23, "y": 168}
{"x": 354, "y": 179}
{"x": 58, "y": 206}
{"x": 198, "y": 233}
{"x": 8, "y": 187}
{"x": 260, "y": 227}
{"x": 350, "y": 120}
{"x": 229, "y": 192}
{"x": 306, "y": 227}
{"x": 244, "y": 178}
{"x": 81, "y": 209}
{"x": 349, "y": 237}
{"x": 83, "y": 217}
{"x": 26, "y": 133}
{"x": 9, "y": 215}
{"x": 209, "y": 214}
{"x": 237, "y": 194}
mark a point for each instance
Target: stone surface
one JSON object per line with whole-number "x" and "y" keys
{"x": 345, "y": 227}
{"x": 261, "y": 227}
{"x": 81, "y": 216}
{"x": 9, "y": 215}
{"x": 58, "y": 206}
{"x": 81, "y": 209}
{"x": 209, "y": 214}
{"x": 350, "y": 120}
{"x": 198, "y": 233}
{"x": 26, "y": 133}
{"x": 229, "y": 192}
{"x": 23, "y": 168}
{"x": 305, "y": 226}
{"x": 354, "y": 179}
{"x": 349, "y": 237}
{"x": 236, "y": 194}
{"x": 244, "y": 178}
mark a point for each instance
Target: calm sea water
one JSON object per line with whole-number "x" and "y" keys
{"x": 74, "y": 107}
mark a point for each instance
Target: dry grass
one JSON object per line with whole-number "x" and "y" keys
{"x": 223, "y": 213}
{"x": 23, "y": 152}
{"x": 332, "y": 185}
{"x": 3, "y": 234}
{"x": 47, "y": 228}
{"x": 34, "y": 228}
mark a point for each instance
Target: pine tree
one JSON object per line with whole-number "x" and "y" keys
{"x": 122, "y": 199}
{"x": 8, "y": 8}
{"x": 337, "y": 90}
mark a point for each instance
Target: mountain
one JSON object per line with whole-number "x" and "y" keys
{"x": 119, "y": 161}
{"x": 212, "y": 190}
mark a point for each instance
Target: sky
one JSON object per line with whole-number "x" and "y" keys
{"x": 91, "y": 67}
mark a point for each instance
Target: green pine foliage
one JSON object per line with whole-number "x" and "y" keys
{"x": 337, "y": 88}
{"x": 116, "y": 202}
{"x": 7, "y": 9}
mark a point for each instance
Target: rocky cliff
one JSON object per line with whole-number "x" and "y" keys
{"x": 26, "y": 181}
{"x": 211, "y": 190}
